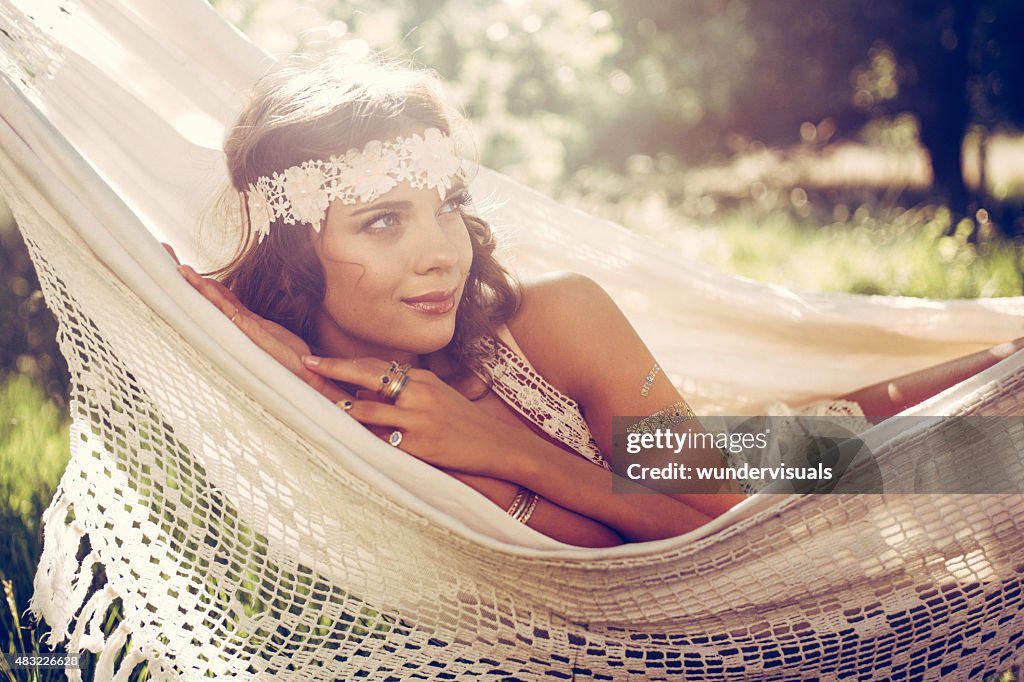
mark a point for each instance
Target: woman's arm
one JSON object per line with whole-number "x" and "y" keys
{"x": 586, "y": 489}
{"x": 578, "y": 339}
{"x": 548, "y": 518}
{"x": 887, "y": 398}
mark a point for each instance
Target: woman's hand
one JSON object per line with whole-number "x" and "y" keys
{"x": 281, "y": 344}
{"x": 438, "y": 424}
{"x": 443, "y": 428}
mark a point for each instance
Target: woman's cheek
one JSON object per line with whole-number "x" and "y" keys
{"x": 466, "y": 250}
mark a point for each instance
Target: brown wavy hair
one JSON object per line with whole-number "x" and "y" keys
{"x": 313, "y": 110}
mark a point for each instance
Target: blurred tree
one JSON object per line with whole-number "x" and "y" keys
{"x": 756, "y": 70}
{"x": 958, "y": 72}
{"x": 530, "y": 73}
{"x": 953, "y": 64}
{"x": 27, "y": 329}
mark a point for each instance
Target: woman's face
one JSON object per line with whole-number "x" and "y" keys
{"x": 394, "y": 270}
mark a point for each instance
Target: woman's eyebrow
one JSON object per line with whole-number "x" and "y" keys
{"x": 403, "y": 205}
{"x": 384, "y": 205}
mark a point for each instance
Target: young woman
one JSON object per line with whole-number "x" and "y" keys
{"x": 365, "y": 272}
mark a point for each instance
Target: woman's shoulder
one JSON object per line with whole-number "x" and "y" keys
{"x": 563, "y": 319}
{"x": 557, "y": 300}
{"x": 564, "y": 292}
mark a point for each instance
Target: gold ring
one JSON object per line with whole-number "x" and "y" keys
{"x": 393, "y": 381}
{"x": 386, "y": 378}
{"x": 234, "y": 316}
{"x": 394, "y": 389}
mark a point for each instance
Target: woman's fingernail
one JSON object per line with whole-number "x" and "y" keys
{"x": 345, "y": 404}
{"x": 311, "y": 360}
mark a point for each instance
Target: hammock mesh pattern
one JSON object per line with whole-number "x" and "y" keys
{"x": 243, "y": 539}
{"x": 210, "y": 550}
{"x": 247, "y": 552}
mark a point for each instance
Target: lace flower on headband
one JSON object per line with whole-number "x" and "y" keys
{"x": 301, "y": 194}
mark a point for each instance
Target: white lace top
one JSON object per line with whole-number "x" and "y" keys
{"x": 514, "y": 380}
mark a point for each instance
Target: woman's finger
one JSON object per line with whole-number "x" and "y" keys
{"x": 170, "y": 249}
{"x": 209, "y": 284}
{"x": 365, "y": 372}
{"x": 214, "y": 291}
{"x": 373, "y": 413}
{"x": 336, "y": 395}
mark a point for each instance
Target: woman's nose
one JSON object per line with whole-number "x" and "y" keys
{"x": 439, "y": 247}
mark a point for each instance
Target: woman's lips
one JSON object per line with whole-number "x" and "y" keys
{"x": 434, "y": 303}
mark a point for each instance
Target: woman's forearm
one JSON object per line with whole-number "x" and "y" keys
{"x": 887, "y": 398}
{"x": 548, "y": 518}
{"x": 578, "y": 485}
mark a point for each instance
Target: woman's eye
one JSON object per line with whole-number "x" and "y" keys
{"x": 456, "y": 202}
{"x": 381, "y": 222}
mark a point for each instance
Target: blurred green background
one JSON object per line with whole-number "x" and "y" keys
{"x": 844, "y": 145}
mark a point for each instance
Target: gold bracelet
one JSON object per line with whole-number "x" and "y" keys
{"x": 523, "y": 505}
{"x": 528, "y": 506}
{"x": 665, "y": 418}
{"x": 517, "y": 501}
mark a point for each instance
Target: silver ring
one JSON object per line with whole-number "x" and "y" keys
{"x": 395, "y": 439}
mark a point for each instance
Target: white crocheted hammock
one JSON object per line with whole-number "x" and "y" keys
{"x": 250, "y": 530}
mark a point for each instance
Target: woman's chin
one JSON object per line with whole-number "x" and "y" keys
{"x": 432, "y": 343}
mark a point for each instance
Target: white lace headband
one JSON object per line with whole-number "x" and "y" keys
{"x": 301, "y": 194}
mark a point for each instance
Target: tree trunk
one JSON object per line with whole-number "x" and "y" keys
{"x": 946, "y": 114}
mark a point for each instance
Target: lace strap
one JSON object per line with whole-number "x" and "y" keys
{"x": 514, "y": 380}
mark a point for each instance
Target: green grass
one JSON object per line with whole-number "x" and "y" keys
{"x": 33, "y": 454}
{"x": 806, "y": 237}
{"x": 910, "y": 253}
